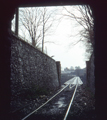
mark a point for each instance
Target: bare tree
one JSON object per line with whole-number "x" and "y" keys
{"x": 47, "y": 22}
{"x": 37, "y": 21}
{"x": 31, "y": 21}
{"x": 84, "y": 18}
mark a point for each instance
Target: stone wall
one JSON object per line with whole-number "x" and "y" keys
{"x": 90, "y": 74}
{"x": 59, "y": 72}
{"x": 30, "y": 67}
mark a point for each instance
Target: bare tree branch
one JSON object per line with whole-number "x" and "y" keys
{"x": 37, "y": 21}
{"x": 85, "y": 19}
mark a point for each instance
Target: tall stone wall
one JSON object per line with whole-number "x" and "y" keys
{"x": 30, "y": 67}
{"x": 90, "y": 74}
{"x": 59, "y": 72}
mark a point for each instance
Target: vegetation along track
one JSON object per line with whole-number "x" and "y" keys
{"x": 56, "y": 107}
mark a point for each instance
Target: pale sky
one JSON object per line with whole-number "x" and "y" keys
{"x": 62, "y": 50}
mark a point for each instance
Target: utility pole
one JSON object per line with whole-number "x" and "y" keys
{"x": 43, "y": 34}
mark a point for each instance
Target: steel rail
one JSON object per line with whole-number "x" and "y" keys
{"x": 46, "y": 102}
{"x": 71, "y": 102}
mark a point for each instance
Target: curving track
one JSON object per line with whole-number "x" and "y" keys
{"x": 58, "y": 106}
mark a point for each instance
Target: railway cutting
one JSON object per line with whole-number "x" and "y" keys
{"x": 57, "y": 106}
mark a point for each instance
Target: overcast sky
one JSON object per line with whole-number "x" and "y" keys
{"x": 67, "y": 54}
{"x": 62, "y": 50}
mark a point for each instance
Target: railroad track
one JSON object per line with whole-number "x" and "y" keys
{"x": 70, "y": 86}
